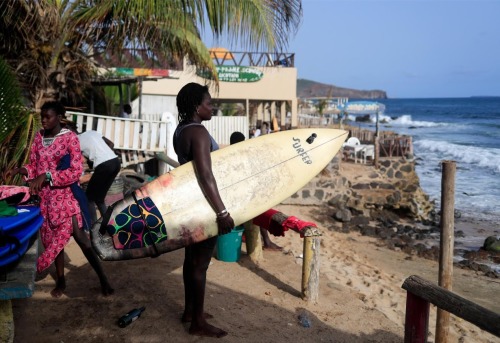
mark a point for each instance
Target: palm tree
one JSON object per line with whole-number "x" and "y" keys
{"x": 17, "y": 123}
{"x": 51, "y": 43}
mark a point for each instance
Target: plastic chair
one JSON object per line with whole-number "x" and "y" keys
{"x": 349, "y": 149}
{"x": 353, "y": 141}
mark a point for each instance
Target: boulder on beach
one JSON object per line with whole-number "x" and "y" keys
{"x": 492, "y": 243}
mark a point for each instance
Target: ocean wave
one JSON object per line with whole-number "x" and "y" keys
{"x": 401, "y": 121}
{"x": 406, "y": 120}
{"x": 482, "y": 157}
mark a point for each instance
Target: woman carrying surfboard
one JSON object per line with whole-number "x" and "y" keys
{"x": 192, "y": 142}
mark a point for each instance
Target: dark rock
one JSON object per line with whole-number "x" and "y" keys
{"x": 319, "y": 194}
{"x": 411, "y": 188}
{"x": 385, "y": 233}
{"x": 478, "y": 255}
{"x": 368, "y": 231}
{"x": 407, "y": 168}
{"x": 398, "y": 175}
{"x": 386, "y": 186}
{"x": 431, "y": 254}
{"x": 363, "y": 119}
{"x": 361, "y": 186}
{"x": 360, "y": 220}
{"x": 459, "y": 234}
{"x": 346, "y": 228}
{"x": 493, "y": 274}
{"x": 492, "y": 243}
{"x": 343, "y": 215}
{"x": 386, "y": 163}
{"x": 402, "y": 240}
{"x": 335, "y": 200}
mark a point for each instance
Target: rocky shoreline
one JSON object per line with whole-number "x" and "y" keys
{"x": 389, "y": 204}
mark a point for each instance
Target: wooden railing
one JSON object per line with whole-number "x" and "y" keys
{"x": 135, "y": 140}
{"x": 396, "y": 146}
{"x": 138, "y": 139}
{"x": 421, "y": 293}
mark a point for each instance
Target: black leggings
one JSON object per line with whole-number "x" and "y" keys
{"x": 99, "y": 184}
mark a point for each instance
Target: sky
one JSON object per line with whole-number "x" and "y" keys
{"x": 408, "y": 48}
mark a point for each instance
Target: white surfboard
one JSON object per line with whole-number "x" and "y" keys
{"x": 252, "y": 177}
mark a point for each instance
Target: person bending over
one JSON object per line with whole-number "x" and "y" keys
{"x": 98, "y": 150}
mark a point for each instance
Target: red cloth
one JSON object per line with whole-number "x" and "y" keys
{"x": 8, "y": 191}
{"x": 296, "y": 224}
{"x": 265, "y": 220}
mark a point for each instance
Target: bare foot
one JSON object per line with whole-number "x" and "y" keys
{"x": 187, "y": 318}
{"x": 60, "y": 287}
{"x": 272, "y": 247}
{"x": 107, "y": 290}
{"x": 207, "y": 330}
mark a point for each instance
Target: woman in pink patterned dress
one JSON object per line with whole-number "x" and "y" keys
{"x": 59, "y": 207}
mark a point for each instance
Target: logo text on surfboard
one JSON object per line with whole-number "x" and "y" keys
{"x": 301, "y": 152}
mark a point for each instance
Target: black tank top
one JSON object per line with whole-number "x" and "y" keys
{"x": 182, "y": 159}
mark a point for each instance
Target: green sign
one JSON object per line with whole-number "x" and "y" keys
{"x": 234, "y": 74}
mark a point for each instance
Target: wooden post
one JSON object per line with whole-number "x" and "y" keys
{"x": 253, "y": 241}
{"x": 6, "y": 322}
{"x": 417, "y": 319}
{"x": 377, "y": 152}
{"x": 310, "y": 262}
{"x": 446, "y": 244}
{"x": 310, "y": 265}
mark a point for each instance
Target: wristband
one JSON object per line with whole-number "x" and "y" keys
{"x": 222, "y": 213}
{"x": 225, "y": 215}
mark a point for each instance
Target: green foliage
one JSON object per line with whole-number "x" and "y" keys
{"x": 52, "y": 44}
{"x": 232, "y": 109}
{"x": 17, "y": 124}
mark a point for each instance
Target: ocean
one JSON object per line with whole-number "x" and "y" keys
{"x": 466, "y": 130}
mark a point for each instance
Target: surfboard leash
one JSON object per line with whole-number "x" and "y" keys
{"x": 155, "y": 249}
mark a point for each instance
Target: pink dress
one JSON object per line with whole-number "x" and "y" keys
{"x": 58, "y": 205}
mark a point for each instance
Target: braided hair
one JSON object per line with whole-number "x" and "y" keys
{"x": 190, "y": 96}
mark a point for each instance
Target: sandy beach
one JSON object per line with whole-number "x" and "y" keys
{"x": 360, "y": 300}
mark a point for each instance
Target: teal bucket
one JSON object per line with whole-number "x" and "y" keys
{"x": 229, "y": 245}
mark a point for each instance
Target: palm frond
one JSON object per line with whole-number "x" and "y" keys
{"x": 17, "y": 124}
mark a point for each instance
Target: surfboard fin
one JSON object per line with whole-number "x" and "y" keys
{"x": 311, "y": 138}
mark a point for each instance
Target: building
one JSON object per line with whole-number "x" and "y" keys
{"x": 262, "y": 85}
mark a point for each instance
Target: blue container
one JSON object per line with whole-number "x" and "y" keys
{"x": 229, "y": 245}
